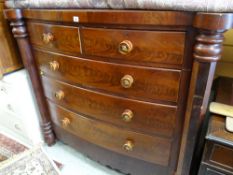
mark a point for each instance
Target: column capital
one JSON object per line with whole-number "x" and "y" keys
{"x": 213, "y": 21}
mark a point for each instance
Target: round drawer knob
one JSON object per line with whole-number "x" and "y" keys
{"x": 127, "y": 81}
{"x": 41, "y": 72}
{"x": 59, "y": 95}
{"x": 17, "y": 127}
{"x": 125, "y": 47}
{"x": 128, "y": 146}
{"x": 65, "y": 122}
{"x": 54, "y": 65}
{"x": 47, "y": 38}
{"x": 127, "y": 115}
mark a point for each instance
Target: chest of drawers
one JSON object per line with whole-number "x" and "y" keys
{"x": 19, "y": 115}
{"x": 218, "y": 153}
{"x": 129, "y": 94}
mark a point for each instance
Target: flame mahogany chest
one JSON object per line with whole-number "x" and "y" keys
{"x": 127, "y": 88}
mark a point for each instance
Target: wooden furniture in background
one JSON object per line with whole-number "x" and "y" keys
{"x": 19, "y": 115}
{"x": 9, "y": 57}
{"x": 218, "y": 153}
{"x": 127, "y": 88}
{"x": 224, "y": 68}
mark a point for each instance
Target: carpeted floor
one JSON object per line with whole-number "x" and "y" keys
{"x": 10, "y": 148}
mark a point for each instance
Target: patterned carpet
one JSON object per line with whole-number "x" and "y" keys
{"x": 17, "y": 159}
{"x": 9, "y": 147}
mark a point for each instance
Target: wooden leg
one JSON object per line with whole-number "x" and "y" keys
{"x": 20, "y": 33}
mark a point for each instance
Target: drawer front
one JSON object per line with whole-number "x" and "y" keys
{"x": 222, "y": 155}
{"x": 207, "y": 170}
{"x": 131, "y": 114}
{"x": 11, "y": 121}
{"x": 135, "y": 46}
{"x": 8, "y": 99}
{"x": 152, "y": 149}
{"x": 147, "y": 84}
{"x": 54, "y": 37}
{"x": 212, "y": 172}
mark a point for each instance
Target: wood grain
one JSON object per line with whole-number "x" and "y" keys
{"x": 148, "y": 117}
{"x": 207, "y": 51}
{"x": 121, "y": 17}
{"x": 111, "y": 159}
{"x": 10, "y": 59}
{"x": 218, "y": 152}
{"x": 148, "y": 46}
{"x": 150, "y": 84}
{"x": 153, "y": 149}
{"x": 20, "y": 33}
{"x": 66, "y": 38}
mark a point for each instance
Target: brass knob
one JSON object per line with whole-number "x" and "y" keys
{"x": 129, "y": 145}
{"x": 59, "y": 95}
{"x": 125, "y": 47}
{"x": 127, "y": 81}
{"x": 54, "y": 65}
{"x": 47, "y": 38}
{"x": 65, "y": 122}
{"x": 127, "y": 115}
{"x": 41, "y": 72}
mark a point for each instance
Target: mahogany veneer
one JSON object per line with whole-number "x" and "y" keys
{"x": 148, "y": 148}
{"x": 107, "y": 77}
{"x": 127, "y": 88}
{"x": 151, "y": 51}
{"x": 147, "y": 117}
{"x": 63, "y": 38}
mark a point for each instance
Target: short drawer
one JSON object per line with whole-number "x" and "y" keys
{"x": 131, "y": 114}
{"x": 208, "y": 170}
{"x": 149, "y": 84}
{"x": 135, "y": 46}
{"x": 54, "y": 37}
{"x": 12, "y": 122}
{"x": 152, "y": 149}
{"x": 221, "y": 155}
{"x": 8, "y": 99}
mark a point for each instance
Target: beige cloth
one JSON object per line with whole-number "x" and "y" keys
{"x": 183, "y": 5}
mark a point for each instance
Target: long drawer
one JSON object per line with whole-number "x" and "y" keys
{"x": 149, "y": 84}
{"x": 134, "y": 46}
{"x": 131, "y": 114}
{"x": 55, "y": 37}
{"x": 152, "y": 149}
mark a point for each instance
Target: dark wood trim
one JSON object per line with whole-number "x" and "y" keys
{"x": 121, "y": 17}
{"x": 10, "y": 59}
{"x": 213, "y": 21}
{"x": 207, "y": 52}
{"x": 20, "y": 33}
{"x": 118, "y": 162}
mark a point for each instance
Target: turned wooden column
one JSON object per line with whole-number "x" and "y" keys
{"x": 207, "y": 51}
{"x": 20, "y": 33}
